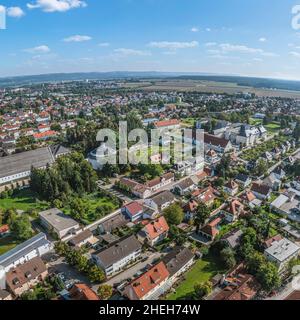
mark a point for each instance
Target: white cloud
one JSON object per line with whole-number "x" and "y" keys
{"x": 104, "y": 44}
{"x": 77, "y": 38}
{"x": 262, "y": 39}
{"x": 173, "y": 45}
{"x": 132, "y": 52}
{"x": 15, "y": 12}
{"x": 38, "y": 49}
{"x": 56, "y": 5}
{"x": 195, "y": 29}
{"x": 208, "y": 29}
{"x": 295, "y": 54}
{"x": 210, "y": 44}
{"x": 226, "y": 48}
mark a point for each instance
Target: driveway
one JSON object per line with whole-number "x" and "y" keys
{"x": 57, "y": 264}
{"x": 132, "y": 270}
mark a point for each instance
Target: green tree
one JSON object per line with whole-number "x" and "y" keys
{"x": 269, "y": 277}
{"x": 21, "y": 227}
{"x": 96, "y": 274}
{"x": 174, "y": 214}
{"x": 105, "y": 291}
{"x": 202, "y": 289}
{"x": 202, "y": 214}
{"x": 228, "y": 257}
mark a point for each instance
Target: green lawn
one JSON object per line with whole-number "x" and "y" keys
{"x": 255, "y": 122}
{"x": 273, "y": 127}
{"x": 22, "y": 200}
{"x": 6, "y": 244}
{"x": 202, "y": 271}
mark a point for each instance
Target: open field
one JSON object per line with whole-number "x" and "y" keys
{"x": 22, "y": 200}
{"x": 202, "y": 271}
{"x": 207, "y": 86}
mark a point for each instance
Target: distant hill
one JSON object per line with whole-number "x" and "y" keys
{"x": 242, "y": 81}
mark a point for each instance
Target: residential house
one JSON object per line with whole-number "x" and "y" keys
{"x": 25, "y": 276}
{"x": 58, "y": 223}
{"x": 267, "y": 156}
{"x": 167, "y": 124}
{"x": 261, "y": 191}
{"x": 279, "y": 173}
{"x": 211, "y": 156}
{"x": 154, "y": 232}
{"x": 239, "y": 286}
{"x": 184, "y": 187}
{"x": 286, "y": 204}
{"x": 80, "y": 291}
{"x": 232, "y": 239}
{"x": 133, "y": 211}
{"x": 36, "y": 246}
{"x": 136, "y": 188}
{"x": 249, "y": 198}
{"x": 272, "y": 182}
{"x": 178, "y": 261}
{"x": 190, "y": 209}
{"x": 234, "y": 210}
{"x": 243, "y": 180}
{"x": 281, "y": 252}
{"x": 4, "y": 230}
{"x": 217, "y": 144}
{"x": 150, "y": 285}
{"x": 160, "y": 201}
{"x": 117, "y": 256}
{"x": 231, "y": 188}
{"x": 210, "y": 230}
{"x": 159, "y": 182}
{"x": 83, "y": 238}
{"x": 206, "y": 195}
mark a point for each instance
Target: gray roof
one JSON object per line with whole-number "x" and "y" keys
{"x": 58, "y": 220}
{"x": 163, "y": 197}
{"x": 4, "y": 294}
{"x": 22, "y": 249}
{"x": 233, "y": 238}
{"x": 22, "y": 162}
{"x": 82, "y": 236}
{"x": 177, "y": 259}
{"x": 185, "y": 184}
{"x": 282, "y": 250}
{"x": 118, "y": 251}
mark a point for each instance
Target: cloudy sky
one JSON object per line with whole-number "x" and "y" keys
{"x": 244, "y": 37}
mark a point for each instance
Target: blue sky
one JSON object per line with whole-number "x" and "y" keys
{"x": 244, "y": 37}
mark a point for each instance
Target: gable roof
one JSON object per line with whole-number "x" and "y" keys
{"x": 177, "y": 259}
{"x": 260, "y": 188}
{"x": 166, "y": 123}
{"x": 24, "y": 273}
{"x": 163, "y": 197}
{"x": 149, "y": 280}
{"x": 80, "y": 291}
{"x": 215, "y": 141}
{"x": 134, "y": 208}
{"x": 155, "y": 228}
{"x": 118, "y": 251}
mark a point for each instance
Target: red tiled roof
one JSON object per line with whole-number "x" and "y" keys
{"x": 49, "y": 133}
{"x": 134, "y": 208}
{"x": 4, "y": 228}
{"x": 149, "y": 280}
{"x": 155, "y": 228}
{"x": 81, "y": 291}
{"x": 166, "y": 123}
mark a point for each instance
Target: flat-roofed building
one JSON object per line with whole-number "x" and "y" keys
{"x": 59, "y": 223}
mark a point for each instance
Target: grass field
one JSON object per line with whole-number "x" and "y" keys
{"x": 6, "y": 244}
{"x": 22, "y": 200}
{"x": 202, "y": 271}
